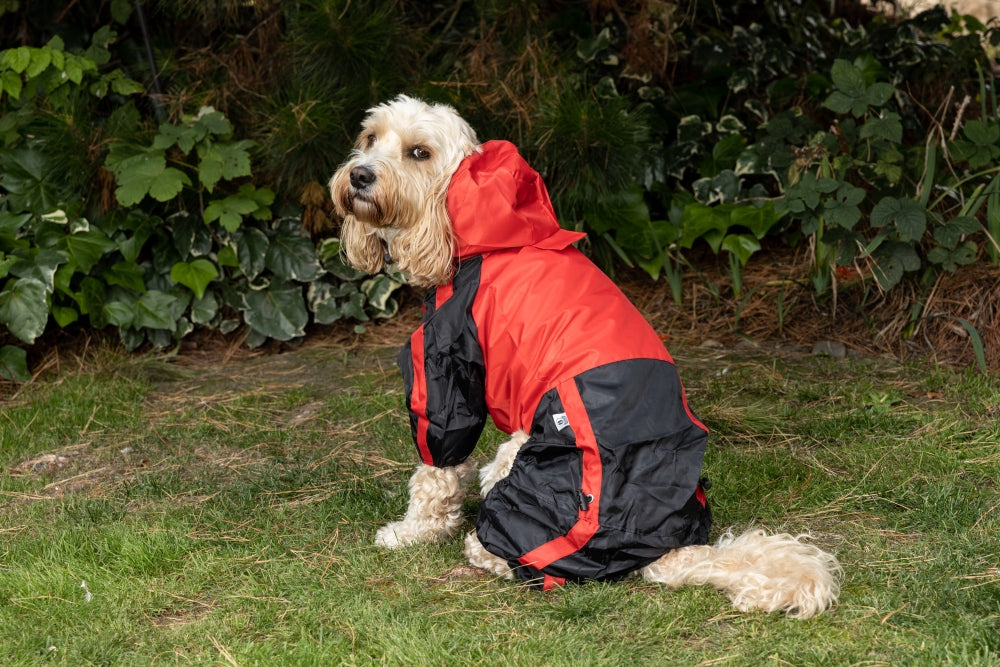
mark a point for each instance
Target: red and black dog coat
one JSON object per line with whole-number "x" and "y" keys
{"x": 533, "y": 334}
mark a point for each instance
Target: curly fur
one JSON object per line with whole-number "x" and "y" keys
{"x": 434, "y": 512}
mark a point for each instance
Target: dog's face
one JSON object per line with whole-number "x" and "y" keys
{"x": 392, "y": 190}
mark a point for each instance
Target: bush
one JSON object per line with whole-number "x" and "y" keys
{"x": 659, "y": 126}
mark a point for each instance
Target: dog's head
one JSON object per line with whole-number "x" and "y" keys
{"x": 391, "y": 191}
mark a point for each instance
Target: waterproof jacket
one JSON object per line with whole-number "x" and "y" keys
{"x": 533, "y": 334}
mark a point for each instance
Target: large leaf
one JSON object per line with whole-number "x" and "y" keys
{"x": 159, "y": 310}
{"x": 87, "y": 248}
{"x": 31, "y": 181}
{"x": 194, "y": 275}
{"x": 24, "y": 309}
{"x": 277, "y": 312}
{"x": 38, "y": 264}
{"x": 148, "y": 173}
{"x": 906, "y": 215}
{"x": 223, "y": 161}
{"x": 251, "y": 249}
{"x": 293, "y": 258}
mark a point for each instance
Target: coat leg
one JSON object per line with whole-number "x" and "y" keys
{"x": 490, "y": 474}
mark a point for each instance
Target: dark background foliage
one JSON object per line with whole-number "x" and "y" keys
{"x": 661, "y": 127}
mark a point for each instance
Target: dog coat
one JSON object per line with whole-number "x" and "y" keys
{"x": 533, "y": 334}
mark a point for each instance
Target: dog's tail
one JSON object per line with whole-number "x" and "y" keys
{"x": 757, "y": 571}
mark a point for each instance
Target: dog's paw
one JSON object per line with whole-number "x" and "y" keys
{"x": 389, "y": 536}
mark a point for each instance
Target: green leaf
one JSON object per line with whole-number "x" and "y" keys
{"x": 889, "y": 127}
{"x": 210, "y": 121}
{"x": 158, "y": 310}
{"x": 64, "y": 315}
{"x": 952, "y": 232}
{"x": 878, "y": 94}
{"x": 251, "y": 250}
{"x": 126, "y": 274}
{"x": 379, "y": 290}
{"x": 33, "y": 183}
{"x": 11, "y": 84}
{"x": 293, "y": 258}
{"x": 587, "y": 49}
{"x": 24, "y": 308}
{"x": 278, "y": 312}
{"x": 741, "y": 245}
{"x": 231, "y": 210}
{"x": 195, "y": 275}
{"x": 119, "y": 313}
{"x": 223, "y": 161}
{"x": 18, "y": 59}
{"x": 324, "y": 300}
{"x": 169, "y": 134}
{"x": 204, "y": 309}
{"x": 698, "y": 221}
{"x": 86, "y": 249}
{"x": 14, "y": 364}
{"x": 168, "y": 184}
{"x": 982, "y": 133}
{"x": 847, "y": 78}
{"x": 38, "y": 264}
{"x": 893, "y": 260}
{"x": 91, "y": 298}
{"x": 758, "y": 219}
{"x": 40, "y": 60}
{"x": 147, "y": 173}
{"x": 226, "y": 256}
{"x": 909, "y": 218}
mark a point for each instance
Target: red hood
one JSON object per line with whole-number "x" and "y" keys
{"x": 497, "y": 201}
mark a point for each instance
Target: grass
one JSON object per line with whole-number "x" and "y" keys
{"x": 221, "y": 512}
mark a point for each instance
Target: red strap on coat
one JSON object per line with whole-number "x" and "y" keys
{"x": 586, "y": 525}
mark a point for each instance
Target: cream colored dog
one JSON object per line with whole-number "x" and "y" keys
{"x": 392, "y": 193}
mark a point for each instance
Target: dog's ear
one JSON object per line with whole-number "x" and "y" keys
{"x": 426, "y": 251}
{"x": 363, "y": 249}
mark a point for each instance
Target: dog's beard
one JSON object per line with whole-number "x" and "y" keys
{"x": 364, "y": 207}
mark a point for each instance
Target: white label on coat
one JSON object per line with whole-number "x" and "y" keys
{"x": 561, "y": 420}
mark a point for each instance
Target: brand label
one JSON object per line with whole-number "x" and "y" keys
{"x": 561, "y": 420}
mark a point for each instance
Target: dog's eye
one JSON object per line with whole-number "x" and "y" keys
{"x": 370, "y": 140}
{"x": 419, "y": 153}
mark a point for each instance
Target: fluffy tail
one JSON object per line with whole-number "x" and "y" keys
{"x": 757, "y": 571}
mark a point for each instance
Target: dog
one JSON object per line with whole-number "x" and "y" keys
{"x": 601, "y": 478}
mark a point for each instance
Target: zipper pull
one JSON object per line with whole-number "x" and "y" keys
{"x": 584, "y": 499}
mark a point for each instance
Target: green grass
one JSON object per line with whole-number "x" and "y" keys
{"x": 221, "y": 512}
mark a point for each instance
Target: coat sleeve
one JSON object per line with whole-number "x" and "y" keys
{"x": 445, "y": 382}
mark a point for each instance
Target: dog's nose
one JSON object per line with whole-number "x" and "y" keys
{"x": 362, "y": 177}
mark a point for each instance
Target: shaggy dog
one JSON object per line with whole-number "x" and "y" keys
{"x": 601, "y": 476}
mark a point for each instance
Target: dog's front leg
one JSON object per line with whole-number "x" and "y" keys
{"x": 435, "y": 508}
{"x": 489, "y": 475}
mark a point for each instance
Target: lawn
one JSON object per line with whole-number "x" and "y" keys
{"x": 219, "y": 509}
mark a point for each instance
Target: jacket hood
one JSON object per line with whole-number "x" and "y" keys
{"x": 496, "y": 201}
